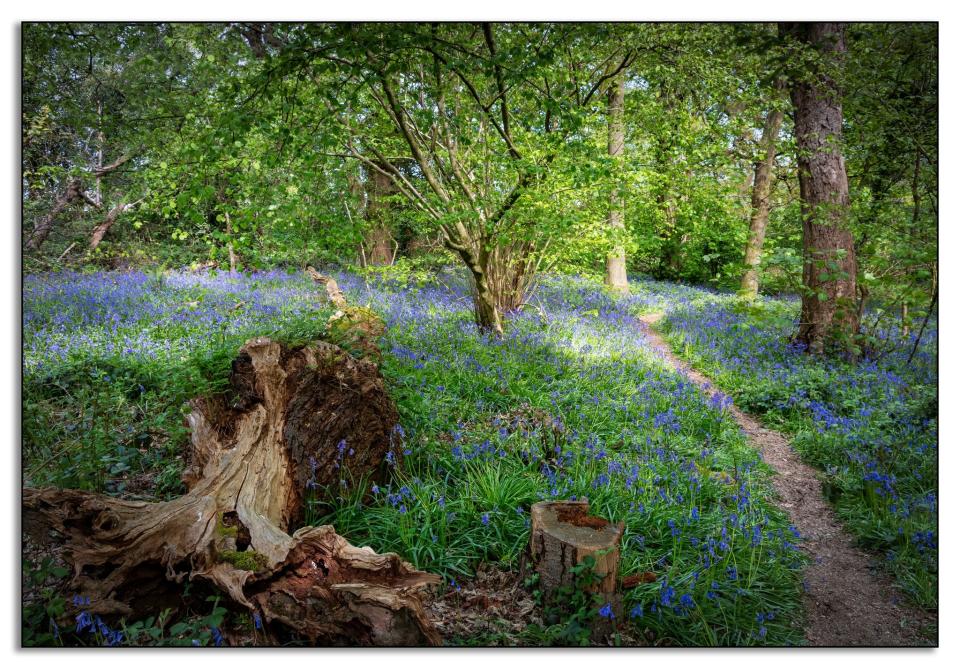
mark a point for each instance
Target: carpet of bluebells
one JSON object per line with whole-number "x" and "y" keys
{"x": 110, "y": 358}
{"x": 572, "y": 402}
{"x": 870, "y": 426}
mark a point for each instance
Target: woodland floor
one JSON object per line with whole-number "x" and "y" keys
{"x": 848, "y": 601}
{"x": 736, "y": 540}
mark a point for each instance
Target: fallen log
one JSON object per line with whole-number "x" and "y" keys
{"x": 293, "y": 419}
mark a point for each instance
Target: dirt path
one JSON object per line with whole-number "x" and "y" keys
{"x": 848, "y": 602}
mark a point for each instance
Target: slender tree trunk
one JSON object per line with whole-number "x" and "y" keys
{"x": 43, "y": 227}
{"x": 104, "y": 226}
{"x": 828, "y": 308}
{"x": 230, "y": 253}
{"x": 914, "y": 222}
{"x": 101, "y": 140}
{"x": 617, "y": 259}
{"x": 669, "y": 264}
{"x": 760, "y": 201}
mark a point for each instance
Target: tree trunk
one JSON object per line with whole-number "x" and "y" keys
{"x": 378, "y": 241}
{"x": 230, "y": 253}
{"x": 104, "y": 226}
{"x": 562, "y": 535}
{"x": 760, "y": 201}
{"x": 73, "y": 193}
{"x": 486, "y": 311}
{"x": 828, "y": 307}
{"x": 294, "y": 420}
{"x": 101, "y": 141}
{"x": 43, "y": 227}
{"x": 617, "y": 259}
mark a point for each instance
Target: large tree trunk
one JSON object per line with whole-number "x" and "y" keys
{"x": 828, "y": 311}
{"x": 379, "y": 242}
{"x": 760, "y": 201}
{"x": 295, "y": 419}
{"x": 486, "y": 308}
{"x": 617, "y": 259}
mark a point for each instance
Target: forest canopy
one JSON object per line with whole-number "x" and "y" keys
{"x": 253, "y": 145}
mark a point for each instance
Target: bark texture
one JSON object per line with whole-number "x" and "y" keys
{"x": 379, "y": 242}
{"x": 562, "y": 535}
{"x": 294, "y": 420}
{"x": 617, "y": 259}
{"x": 760, "y": 200}
{"x": 828, "y": 311}
{"x": 231, "y": 255}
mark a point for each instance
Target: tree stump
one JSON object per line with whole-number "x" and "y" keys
{"x": 562, "y": 535}
{"x": 294, "y": 418}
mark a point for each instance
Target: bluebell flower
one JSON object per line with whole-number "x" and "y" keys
{"x": 84, "y": 621}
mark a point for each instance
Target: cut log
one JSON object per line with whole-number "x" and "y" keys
{"x": 293, "y": 419}
{"x": 562, "y": 535}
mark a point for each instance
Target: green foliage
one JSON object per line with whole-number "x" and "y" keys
{"x": 38, "y": 623}
{"x": 194, "y": 630}
{"x": 572, "y": 614}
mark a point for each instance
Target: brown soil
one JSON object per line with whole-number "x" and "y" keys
{"x": 848, "y": 601}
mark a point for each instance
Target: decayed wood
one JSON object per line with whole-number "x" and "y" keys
{"x": 294, "y": 418}
{"x": 333, "y": 290}
{"x": 563, "y": 534}
{"x": 356, "y": 328}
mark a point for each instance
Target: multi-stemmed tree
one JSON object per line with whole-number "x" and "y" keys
{"x": 489, "y": 114}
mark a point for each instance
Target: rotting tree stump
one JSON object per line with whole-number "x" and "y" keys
{"x": 293, "y": 417}
{"x": 562, "y": 535}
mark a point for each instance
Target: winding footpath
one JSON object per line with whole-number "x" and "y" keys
{"x": 848, "y": 602}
